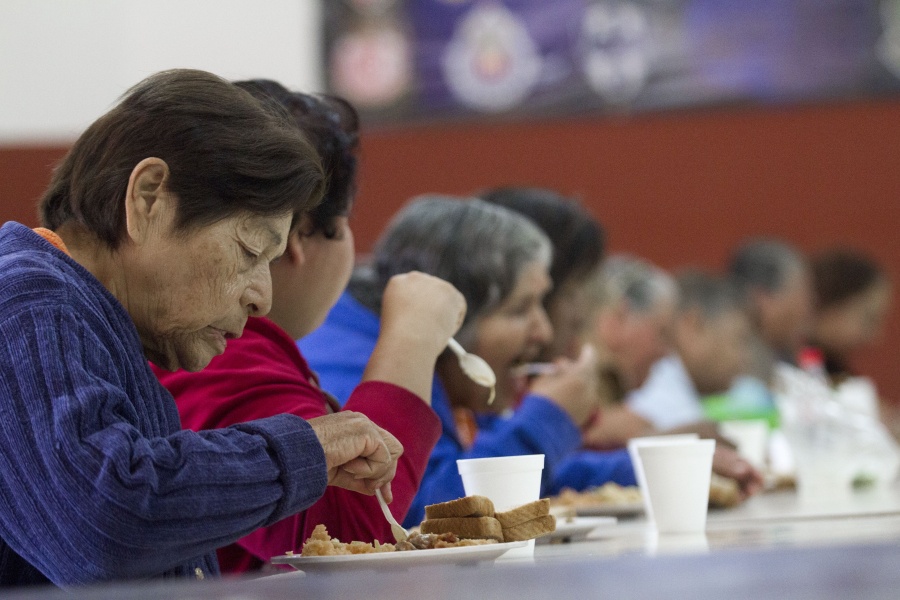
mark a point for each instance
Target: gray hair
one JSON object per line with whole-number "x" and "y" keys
{"x": 480, "y": 248}
{"x": 641, "y": 285}
{"x": 710, "y": 294}
{"x": 765, "y": 264}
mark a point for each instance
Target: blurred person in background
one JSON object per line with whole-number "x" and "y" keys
{"x": 632, "y": 310}
{"x": 776, "y": 281}
{"x": 710, "y": 335}
{"x": 500, "y": 262}
{"x": 262, "y": 373}
{"x": 852, "y": 295}
{"x": 641, "y": 314}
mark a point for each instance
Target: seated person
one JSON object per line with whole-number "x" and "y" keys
{"x": 499, "y": 261}
{"x": 159, "y": 226}
{"x": 262, "y": 373}
{"x": 709, "y": 337}
{"x": 852, "y": 294}
{"x": 635, "y": 324}
{"x": 775, "y": 279}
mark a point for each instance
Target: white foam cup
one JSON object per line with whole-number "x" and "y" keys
{"x": 633, "y": 443}
{"x": 677, "y": 477}
{"x": 509, "y": 482}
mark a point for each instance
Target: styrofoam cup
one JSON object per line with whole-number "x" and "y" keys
{"x": 752, "y": 439}
{"x": 677, "y": 477}
{"x": 633, "y": 443}
{"x": 509, "y": 481}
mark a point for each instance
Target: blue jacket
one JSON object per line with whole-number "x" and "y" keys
{"x": 97, "y": 479}
{"x": 339, "y": 350}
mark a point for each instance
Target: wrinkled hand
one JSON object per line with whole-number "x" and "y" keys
{"x": 574, "y": 387}
{"x": 423, "y": 310}
{"x": 728, "y": 463}
{"x": 359, "y": 455}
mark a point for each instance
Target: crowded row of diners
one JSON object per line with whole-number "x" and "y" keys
{"x": 199, "y": 372}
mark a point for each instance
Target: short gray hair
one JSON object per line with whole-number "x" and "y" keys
{"x": 764, "y": 264}
{"x": 641, "y": 285}
{"x": 480, "y": 248}
{"x": 712, "y": 295}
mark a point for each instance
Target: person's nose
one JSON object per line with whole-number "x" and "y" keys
{"x": 542, "y": 329}
{"x": 257, "y": 298}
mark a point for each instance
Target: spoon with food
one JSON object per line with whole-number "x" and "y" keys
{"x": 475, "y": 367}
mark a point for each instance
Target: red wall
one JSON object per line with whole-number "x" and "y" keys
{"x": 678, "y": 188}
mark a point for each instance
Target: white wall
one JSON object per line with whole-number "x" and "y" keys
{"x": 63, "y": 63}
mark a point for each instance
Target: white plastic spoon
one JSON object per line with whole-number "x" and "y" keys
{"x": 475, "y": 367}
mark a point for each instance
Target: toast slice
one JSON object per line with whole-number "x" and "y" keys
{"x": 470, "y": 506}
{"x": 473, "y": 528}
{"x": 530, "y": 529}
{"x": 524, "y": 513}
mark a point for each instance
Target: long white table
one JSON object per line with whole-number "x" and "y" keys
{"x": 772, "y": 547}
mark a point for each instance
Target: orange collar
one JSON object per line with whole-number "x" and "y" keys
{"x": 51, "y": 237}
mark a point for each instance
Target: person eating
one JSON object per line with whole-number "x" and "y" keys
{"x": 159, "y": 227}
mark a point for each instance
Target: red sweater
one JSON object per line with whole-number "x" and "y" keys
{"x": 263, "y": 374}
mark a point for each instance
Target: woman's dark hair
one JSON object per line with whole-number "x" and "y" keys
{"x": 226, "y": 154}
{"x": 332, "y": 125}
{"x": 578, "y": 239}
{"x": 840, "y": 274}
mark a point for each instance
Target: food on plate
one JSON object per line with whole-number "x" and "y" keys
{"x": 469, "y": 506}
{"x": 723, "y": 492}
{"x": 322, "y": 544}
{"x": 610, "y": 493}
{"x": 465, "y": 527}
{"x": 474, "y": 516}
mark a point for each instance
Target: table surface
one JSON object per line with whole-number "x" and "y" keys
{"x": 775, "y": 545}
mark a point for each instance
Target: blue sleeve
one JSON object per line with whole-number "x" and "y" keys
{"x": 588, "y": 468}
{"x": 89, "y": 495}
{"x": 538, "y": 426}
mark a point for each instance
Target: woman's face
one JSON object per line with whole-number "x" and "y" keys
{"x": 855, "y": 323}
{"x": 327, "y": 265}
{"x": 515, "y": 332}
{"x": 190, "y": 292}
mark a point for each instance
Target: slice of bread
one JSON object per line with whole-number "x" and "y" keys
{"x": 470, "y": 506}
{"x": 524, "y": 513}
{"x": 530, "y": 529}
{"x": 473, "y": 528}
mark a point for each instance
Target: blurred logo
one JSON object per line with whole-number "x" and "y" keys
{"x": 491, "y": 63}
{"x": 613, "y": 42}
{"x": 371, "y": 67}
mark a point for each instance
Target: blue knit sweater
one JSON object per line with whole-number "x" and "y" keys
{"x": 339, "y": 350}
{"x": 97, "y": 479}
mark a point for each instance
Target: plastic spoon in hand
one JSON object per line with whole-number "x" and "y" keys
{"x": 475, "y": 367}
{"x": 400, "y": 534}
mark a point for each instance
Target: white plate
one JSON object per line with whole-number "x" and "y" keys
{"x": 394, "y": 560}
{"x": 576, "y": 528}
{"x": 630, "y": 509}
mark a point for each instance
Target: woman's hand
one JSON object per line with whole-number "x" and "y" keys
{"x": 728, "y": 463}
{"x": 419, "y": 314}
{"x": 575, "y": 385}
{"x": 422, "y": 310}
{"x": 359, "y": 455}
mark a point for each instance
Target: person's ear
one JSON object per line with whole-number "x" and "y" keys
{"x": 295, "y": 252}
{"x": 146, "y": 197}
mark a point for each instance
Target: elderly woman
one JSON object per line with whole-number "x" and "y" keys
{"x": 161, "y": 224}
{"x": 263, "y": 373}
{"x": 499, "y": 261}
